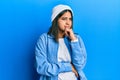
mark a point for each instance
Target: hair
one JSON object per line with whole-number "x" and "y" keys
{"x": 53, "y": 30}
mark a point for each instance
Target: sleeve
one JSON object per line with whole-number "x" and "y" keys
{"x": 78, "y": 54}
{"x": 43, "y": 67}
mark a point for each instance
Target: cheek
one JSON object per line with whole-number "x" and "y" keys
{"x": 71, "y": 24}
{"x": 61, "y": 24}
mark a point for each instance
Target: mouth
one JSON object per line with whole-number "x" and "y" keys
{"x": 66, "y": 27}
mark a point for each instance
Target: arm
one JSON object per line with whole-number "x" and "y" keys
{"x": 43, "y": 66}
{"x": 78, "y": 50}
{"x": 78, "y": 54}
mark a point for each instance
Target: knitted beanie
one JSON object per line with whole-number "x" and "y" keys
{"x": 58, "y": 9}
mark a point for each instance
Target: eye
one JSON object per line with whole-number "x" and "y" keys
{"x": 64, "y": 18}
{"x": 70, "y": 19}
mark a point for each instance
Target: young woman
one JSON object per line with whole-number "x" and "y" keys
{"x": 60, "y": 53}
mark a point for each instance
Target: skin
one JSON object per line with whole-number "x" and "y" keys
{"x": 65, "y": 23}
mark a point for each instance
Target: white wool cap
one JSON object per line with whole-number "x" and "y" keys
{"x": 58, "y": 9}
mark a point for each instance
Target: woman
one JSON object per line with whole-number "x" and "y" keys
{"x": 60, "y": 53}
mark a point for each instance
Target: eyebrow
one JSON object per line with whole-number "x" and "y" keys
{"x": 67, "y": 17}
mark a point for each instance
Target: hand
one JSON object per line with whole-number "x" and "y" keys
{"x": 70, "y": 34}
{"x": 74, "y": 70}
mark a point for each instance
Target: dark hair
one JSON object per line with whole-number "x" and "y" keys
{"x": 53, "y": 31}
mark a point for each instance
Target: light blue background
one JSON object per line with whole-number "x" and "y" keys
{"x": 22, "y": 21}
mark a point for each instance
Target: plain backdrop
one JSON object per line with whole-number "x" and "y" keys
{"x": 23, "y": 21}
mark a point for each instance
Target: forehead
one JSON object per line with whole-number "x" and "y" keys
{"x": 66, "y": 14}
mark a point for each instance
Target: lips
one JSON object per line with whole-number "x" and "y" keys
{"x": 66, "y": 26}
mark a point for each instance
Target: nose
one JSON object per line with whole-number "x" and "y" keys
{"x": 67, "y": 21}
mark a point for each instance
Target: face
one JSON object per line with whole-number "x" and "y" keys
{"x": 65, "y": 21}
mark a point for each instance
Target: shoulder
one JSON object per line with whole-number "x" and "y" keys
{"x": 45, "y": 35}
{"x": 79, "y": 38}
{"x": 42, "y": 40}
{"x": 42, "y": 37}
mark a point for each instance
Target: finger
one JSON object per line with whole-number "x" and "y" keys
{"x": 66, "y": 32}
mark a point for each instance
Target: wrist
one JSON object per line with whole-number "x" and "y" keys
{"x": 73, "y": 38}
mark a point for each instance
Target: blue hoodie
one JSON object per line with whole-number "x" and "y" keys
{"x": 47, "y": 64}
